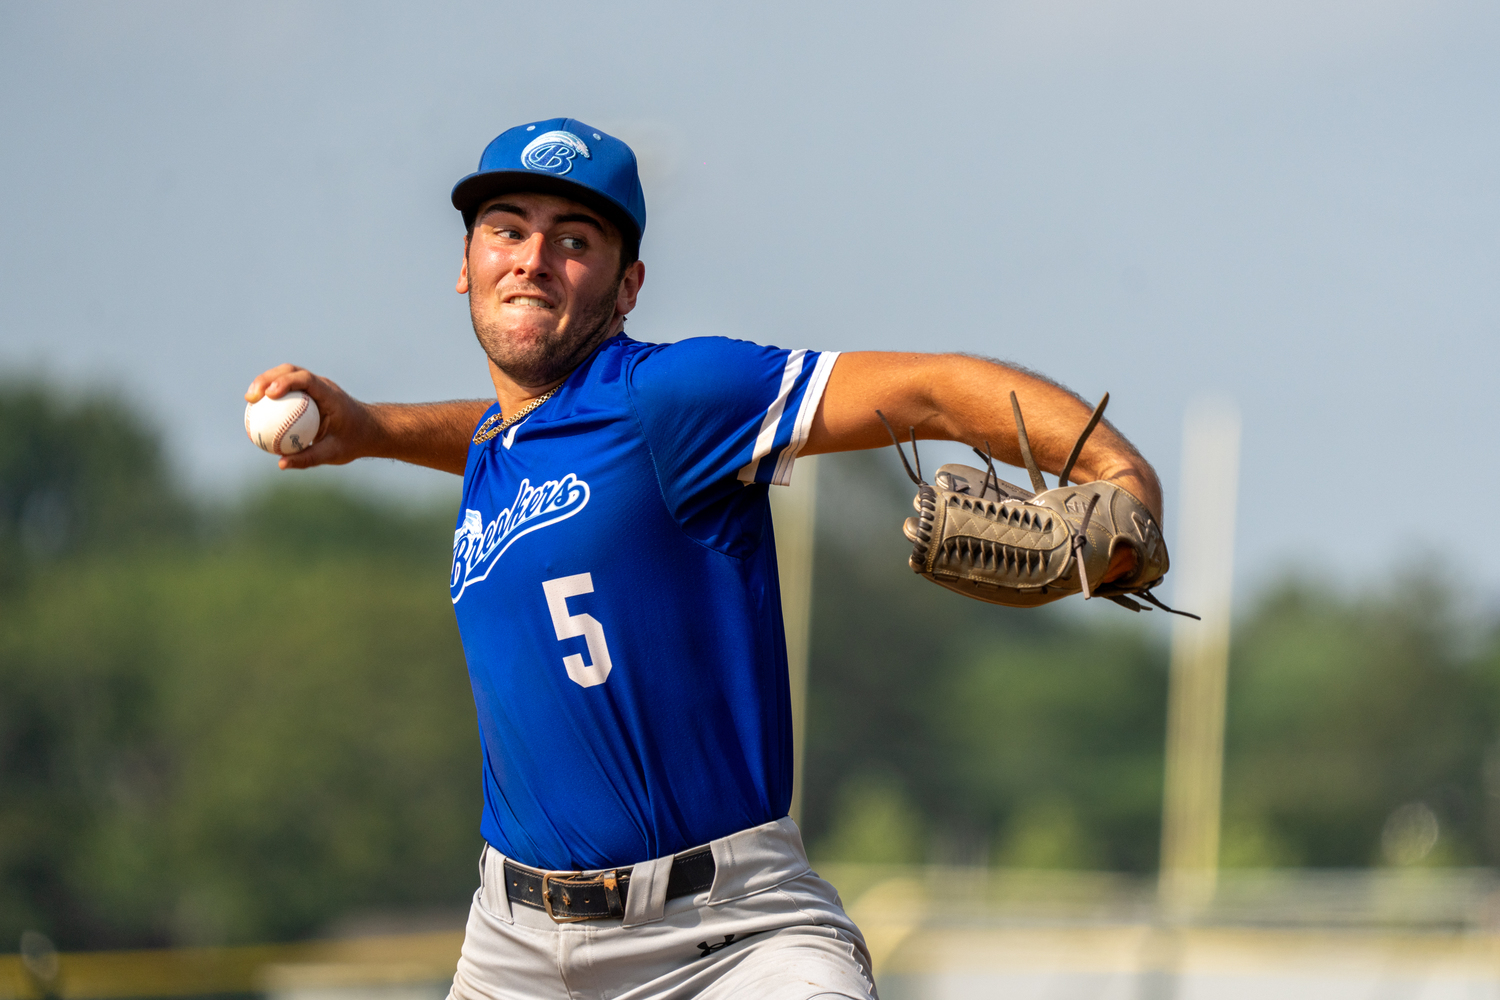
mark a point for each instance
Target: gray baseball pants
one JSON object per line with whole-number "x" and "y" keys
{"x": 767, "y": 929}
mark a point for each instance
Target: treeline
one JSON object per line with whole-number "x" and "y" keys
{"x": 242, "y": 722}
{"x": 217, "y": 724}
{"x": 1362, "y": 730}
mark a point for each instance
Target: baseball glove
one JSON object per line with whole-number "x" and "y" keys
{"x": 985, "y": 538}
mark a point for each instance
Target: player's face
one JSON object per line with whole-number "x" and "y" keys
{"x": 543, "y": 278}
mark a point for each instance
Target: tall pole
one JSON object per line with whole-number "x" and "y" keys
{"x": 1203, "y": 570}
{"x": 794, "y": 511}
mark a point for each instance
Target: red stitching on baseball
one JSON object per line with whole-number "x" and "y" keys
{"x": 286, "y": 425}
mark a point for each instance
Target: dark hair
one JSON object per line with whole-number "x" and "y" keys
{"x": 630, "y": 252}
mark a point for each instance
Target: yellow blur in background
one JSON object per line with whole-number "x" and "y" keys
{"x": 940, "y": 932}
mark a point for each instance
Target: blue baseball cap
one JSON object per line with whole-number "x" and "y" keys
{"x": 561, "y": 156}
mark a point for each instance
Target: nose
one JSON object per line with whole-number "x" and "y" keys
{"x": 529, "y": 259}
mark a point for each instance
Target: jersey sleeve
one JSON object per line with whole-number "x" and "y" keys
{"x": 719, "y": 414}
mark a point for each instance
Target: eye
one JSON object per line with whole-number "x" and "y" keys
{"x": 574, "y": 243}
{"x": 507, "y": 233}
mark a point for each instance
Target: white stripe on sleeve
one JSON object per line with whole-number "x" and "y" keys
{"x": 805, "y": 413}
{"x": 767, "y": 436}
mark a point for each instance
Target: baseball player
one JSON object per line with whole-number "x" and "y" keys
{"x": 614, "y": 580}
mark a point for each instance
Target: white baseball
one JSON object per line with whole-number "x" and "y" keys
{"x": 282, "y": 426}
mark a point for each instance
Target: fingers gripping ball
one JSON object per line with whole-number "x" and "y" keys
{"x": 282, "y": 426}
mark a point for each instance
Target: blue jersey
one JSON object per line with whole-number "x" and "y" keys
{"x": 614, "y": 578}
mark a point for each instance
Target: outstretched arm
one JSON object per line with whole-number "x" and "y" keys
{"x": 945, "y": 396}
{"x": 954, "y": 397}
{"x": 432, "y": 434}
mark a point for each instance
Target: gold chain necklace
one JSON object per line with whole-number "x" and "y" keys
{"x": 494, "y": 425}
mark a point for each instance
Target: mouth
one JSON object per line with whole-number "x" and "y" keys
{"x": 531, "y": 301}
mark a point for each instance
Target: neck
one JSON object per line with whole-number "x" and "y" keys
{"x": 512, "y": 394}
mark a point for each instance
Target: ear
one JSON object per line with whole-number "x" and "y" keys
{"x": 462, "y": 287}
{"x": 630, "y": 288}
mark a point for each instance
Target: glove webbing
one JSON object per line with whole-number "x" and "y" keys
{"x": 1040, "y": 485}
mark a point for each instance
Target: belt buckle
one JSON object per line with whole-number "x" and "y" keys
{"x": 610, "y": 881}
{"x": 548, "y": 877}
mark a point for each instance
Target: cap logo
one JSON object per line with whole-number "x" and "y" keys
{"x": 553, "y": 152}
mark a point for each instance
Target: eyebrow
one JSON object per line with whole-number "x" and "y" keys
{"x": 588, "y": 220}
{"x": 505, "y": 206}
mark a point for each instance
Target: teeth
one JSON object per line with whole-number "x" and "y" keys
{"x": 527, "y": 300}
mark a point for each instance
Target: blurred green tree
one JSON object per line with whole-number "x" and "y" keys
{"x": 222, "y": 735}
{"x": 875, "y": 823}
{"x": 81, "y": 475}
{"x": 993, "y": 722}
{"x": 1343, "y": 710}
{"x": 1358, "y": 725}
{"x": 238, "y": 742}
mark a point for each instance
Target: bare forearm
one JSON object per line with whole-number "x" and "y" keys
{"x": 958, "y": 398}
{"x": 432, "y": 434}
{"x": 435, "y": 435}
{"x": 971, "y": 403}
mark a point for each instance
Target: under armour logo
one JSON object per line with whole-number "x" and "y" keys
{"x": 553, "y": 152}
{"x": 709, "y": 949}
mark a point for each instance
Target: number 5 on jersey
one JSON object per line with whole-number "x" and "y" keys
{"x": 571, "y": 626}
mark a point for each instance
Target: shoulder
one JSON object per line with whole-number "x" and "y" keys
{"x": 698, "y": 359}
{"x": 702, "y": 349}
{"x": 621, "y": 357}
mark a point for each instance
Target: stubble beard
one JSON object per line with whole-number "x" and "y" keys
{"x": 551, "y": 359}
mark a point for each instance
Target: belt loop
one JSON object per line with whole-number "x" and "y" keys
{"x": 492, "y": 894}
{"x": 647, "y": 900}
{"x": 756, "y": 859}
{"x": 727, "y": 874}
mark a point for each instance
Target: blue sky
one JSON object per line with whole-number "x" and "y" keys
{"x": 1294, "y": 205}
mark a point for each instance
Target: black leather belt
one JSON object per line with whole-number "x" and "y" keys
{"x": 567, "y": 897}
